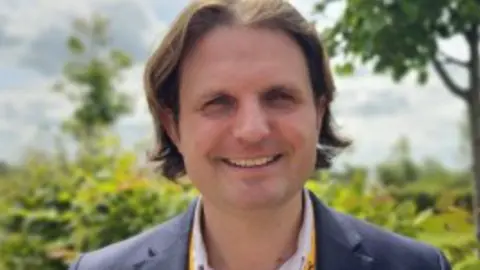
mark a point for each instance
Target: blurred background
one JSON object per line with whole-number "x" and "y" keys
{"x": 75, "y": 129}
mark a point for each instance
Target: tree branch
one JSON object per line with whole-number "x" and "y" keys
{"x": 322, "y": 5}
{"x": 452, "y": 60}
{"x": 457, "y": 90}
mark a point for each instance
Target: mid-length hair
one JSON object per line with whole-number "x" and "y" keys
{"x": 161, "y": 76}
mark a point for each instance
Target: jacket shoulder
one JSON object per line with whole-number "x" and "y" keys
{"x": 395, "y": 251}
{"x": 127, "y": 251}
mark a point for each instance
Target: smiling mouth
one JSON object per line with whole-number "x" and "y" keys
{"x": 252, "y": 163}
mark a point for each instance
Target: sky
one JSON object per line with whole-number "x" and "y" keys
{"x": 371, "y": 109}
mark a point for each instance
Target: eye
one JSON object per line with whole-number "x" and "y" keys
{"x": 218, "y": 104}
{"x": 279, "y": 96}
{"x": 219, "y": 100}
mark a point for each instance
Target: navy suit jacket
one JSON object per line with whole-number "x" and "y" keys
{"x": 344, "y": 243}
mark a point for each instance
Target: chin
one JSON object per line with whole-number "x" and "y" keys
{"x": 257, "y": 198}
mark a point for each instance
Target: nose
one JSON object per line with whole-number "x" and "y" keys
{"x": 251, "y": 123}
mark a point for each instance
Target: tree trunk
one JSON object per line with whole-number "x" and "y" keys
{"x": 474, "y": 121}
{"x": 473, "y": 101}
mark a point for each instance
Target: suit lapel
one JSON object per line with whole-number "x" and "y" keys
{"x": 174, "y": 259}
{"x": 169, "y": 251}
{"x": 338, "y": 244}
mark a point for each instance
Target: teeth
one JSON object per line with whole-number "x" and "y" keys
{"x": 251, "y": 162}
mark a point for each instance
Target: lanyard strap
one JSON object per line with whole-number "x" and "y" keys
{"x": 191, "y": 254}
{"x": 309, "y": 263}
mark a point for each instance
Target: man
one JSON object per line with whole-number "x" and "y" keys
{"x": 240, "y": 95}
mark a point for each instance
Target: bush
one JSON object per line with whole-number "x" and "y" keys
{"x": 56, "y": 209}
{"x": 445, "y": 226}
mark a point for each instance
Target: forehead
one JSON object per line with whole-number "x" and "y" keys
{"x": 236, "y": 56}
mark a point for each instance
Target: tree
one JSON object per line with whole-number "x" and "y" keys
{"x": 400, "y": 169}
{"x": 5, "y": 168}
{"x": 402, "y": 36}
{"x": 89, "y": 80}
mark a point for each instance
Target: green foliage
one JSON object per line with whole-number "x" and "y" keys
{"x": 66, "y": 207}
{"x": 447, "y": 227}
{"x": 5, "y": 168}
{"x": 89, "y": 80}
{"x": 398, "y": 36}
{"x": 422, "y": 182}
{"x": 399, "y": 169}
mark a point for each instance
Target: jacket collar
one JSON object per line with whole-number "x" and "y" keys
{"x": 168, "y": 246}
{"x": 338, "y": 243}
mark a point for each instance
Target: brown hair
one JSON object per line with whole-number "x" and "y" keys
{"x": 195, "y": 21}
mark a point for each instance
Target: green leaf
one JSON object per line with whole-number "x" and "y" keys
{"x": 422, "y": 77}
{"x": 346, "y": 69}
{"x": 423, "y": 217}
{"x": 121, "y": 59}
{"x": 75, "y": 45}
{"x": 472, "y": 263}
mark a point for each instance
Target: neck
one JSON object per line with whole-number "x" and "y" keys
{"x": 252, "y": 240}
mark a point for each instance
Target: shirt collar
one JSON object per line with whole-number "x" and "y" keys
{"x": 294, "y": 262}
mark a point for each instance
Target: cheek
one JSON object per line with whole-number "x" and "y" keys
{"x": 301, "y": 132}
{"x": 198, "y": 137}
{"x": 301, "y": 127}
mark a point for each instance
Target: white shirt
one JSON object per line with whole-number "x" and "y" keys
{"x": 295, "y": 262}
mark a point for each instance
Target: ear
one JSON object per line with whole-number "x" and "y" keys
{"x": 168, "y": 122}
{"x": 321, "y": 109}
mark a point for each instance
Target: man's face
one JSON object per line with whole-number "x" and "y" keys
{"x": 248, "y": 123}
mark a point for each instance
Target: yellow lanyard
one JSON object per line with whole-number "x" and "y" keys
{"x": 309, "y": 264}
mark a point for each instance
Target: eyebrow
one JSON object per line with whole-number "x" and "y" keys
{"x": 281, "y": 87}
{"x": 212, "y": 94}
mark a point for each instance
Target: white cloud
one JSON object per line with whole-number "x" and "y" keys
{"x": 133, "y": 85}
{"x": 31, "y": 114}
{"x": 35, "y": 34}
{"x": 25, "y": 111}
{"x": 429, "y": 116}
